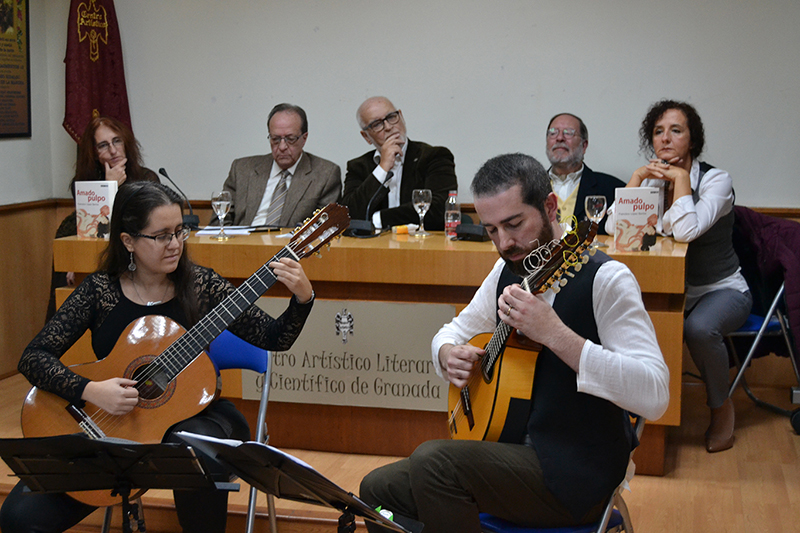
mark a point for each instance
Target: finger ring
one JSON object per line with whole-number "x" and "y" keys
{"x": 508, "y": 311}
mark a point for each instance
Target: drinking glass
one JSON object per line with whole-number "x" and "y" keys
{"x": 421, "y": 198}
{"x": 595, "y": 211}
{"x": 221, "y": 204}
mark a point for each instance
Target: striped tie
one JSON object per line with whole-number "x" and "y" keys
{"x": 276, "y": 204}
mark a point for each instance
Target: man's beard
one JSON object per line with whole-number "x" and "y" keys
{"x": 569, "y": 160}
{"x": 518, "y": 267}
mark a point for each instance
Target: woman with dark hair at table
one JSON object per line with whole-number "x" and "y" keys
{"x": 699, "y": 211}
{"x": 107, "y": 151}
{"x": 145, "y": 270}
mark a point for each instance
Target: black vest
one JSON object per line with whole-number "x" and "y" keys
{"x": 711, "y": 257}
{"x": 583, "y": 442}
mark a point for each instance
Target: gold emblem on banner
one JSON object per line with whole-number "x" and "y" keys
{"x": 92, "y": 23}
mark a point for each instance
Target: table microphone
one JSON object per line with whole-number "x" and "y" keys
{"x": 191, "y": 220}
{"x": 362, "y": 228}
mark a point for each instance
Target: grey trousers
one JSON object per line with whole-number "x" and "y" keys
{"x": 715, "y": 315}
{"x": 445, "y": 484}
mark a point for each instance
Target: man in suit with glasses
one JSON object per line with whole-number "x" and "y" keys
{"x": 286, "y": 186}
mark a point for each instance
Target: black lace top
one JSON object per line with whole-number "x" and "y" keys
{"x": 99, "y": 305}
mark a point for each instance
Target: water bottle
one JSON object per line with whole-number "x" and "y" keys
{"x": 452, "y": 215}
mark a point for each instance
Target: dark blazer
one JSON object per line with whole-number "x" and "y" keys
{"x": 424, "y": 167}
{"x": 316, "y": 182}
{"x": 594, "y": 183}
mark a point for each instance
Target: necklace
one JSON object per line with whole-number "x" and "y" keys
{"x": 148, "y": 303}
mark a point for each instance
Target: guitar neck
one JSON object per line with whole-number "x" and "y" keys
{"x": 495, "y": 347}
{"x": 191, "y": 344}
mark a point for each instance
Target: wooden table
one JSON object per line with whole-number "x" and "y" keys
{"x": 400, "y": 268}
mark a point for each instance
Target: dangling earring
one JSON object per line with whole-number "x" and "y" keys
{"x": 132, "y": 265}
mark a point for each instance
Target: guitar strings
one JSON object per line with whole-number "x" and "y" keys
{"x": 108, "y": 422}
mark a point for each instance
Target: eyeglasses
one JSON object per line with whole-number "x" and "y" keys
{"x": 376, "y": 126}
{"x": 290, "y": 139}
{"x": 569, "y": 133}
{"x": 165, "y": 238}
{"x": 104, "y": 146}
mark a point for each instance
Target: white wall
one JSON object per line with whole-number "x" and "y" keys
{"x": 479, "y": 77}
{"x": 26, "y": 164}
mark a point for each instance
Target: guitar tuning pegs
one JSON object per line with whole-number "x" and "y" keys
{"x": 578, "y": 267}
{"x": 556, "y": 289}
{"x": 562, "y": 282}
{"x": 584, "y": 259}
{"x": 570, "y": 274}
{"x": 317, "y": 254}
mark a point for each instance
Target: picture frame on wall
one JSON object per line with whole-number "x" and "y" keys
{"x": 15, "y": 77}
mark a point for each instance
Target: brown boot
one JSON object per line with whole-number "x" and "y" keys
{"x": 719, "y": 435}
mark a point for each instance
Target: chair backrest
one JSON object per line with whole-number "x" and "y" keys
{"x": 230, "y": 351}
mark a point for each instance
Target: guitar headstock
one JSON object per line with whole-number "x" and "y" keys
{"x": 326, "y": 224}
{"x": 549, "y": 263}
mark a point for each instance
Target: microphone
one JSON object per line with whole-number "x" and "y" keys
{"x": 191, "y": 220}
{"x": 362, "y": 228}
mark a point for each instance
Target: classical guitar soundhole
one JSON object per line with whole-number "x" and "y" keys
{"x": 154, "y": 386}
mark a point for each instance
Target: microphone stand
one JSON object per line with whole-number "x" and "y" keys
{"x": 365, "y": 228}
{"x": 191, "y": 220}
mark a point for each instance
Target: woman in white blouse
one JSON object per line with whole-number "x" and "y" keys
{"x": 698, "y": 209}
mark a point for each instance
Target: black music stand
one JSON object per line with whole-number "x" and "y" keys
{"x": 72, "y": 463}
{"x": 284, "y": 476}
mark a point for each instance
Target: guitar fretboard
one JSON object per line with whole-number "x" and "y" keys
{"x": 192, "y": 343}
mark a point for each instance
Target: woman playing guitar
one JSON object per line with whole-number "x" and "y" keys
{"x": 145, "y": 270}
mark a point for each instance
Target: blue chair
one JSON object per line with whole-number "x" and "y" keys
{"x": 615, "y": 517}
{"x": 767, "y": 257}
{"x": 773, "y": 323}
{"x": 229, "y": 351}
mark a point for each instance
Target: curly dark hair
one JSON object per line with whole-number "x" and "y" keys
{"x": 657, "y": 110}
{"x": 133, "y": 205}
{"x": 89, "y": 168}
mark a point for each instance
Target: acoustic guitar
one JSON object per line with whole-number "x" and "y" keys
{"x": 175, "y": 377}
{"x": 498, "y": 394}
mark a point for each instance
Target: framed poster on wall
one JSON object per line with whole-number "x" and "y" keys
{"x": 15, "y": 77}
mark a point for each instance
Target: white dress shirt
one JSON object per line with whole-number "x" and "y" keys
{"x": 564, "y": 186}
{"x": 627, "y": 368}
{"x": 394, "y": 183}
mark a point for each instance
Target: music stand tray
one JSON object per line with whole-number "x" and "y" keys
{"x": 72, "y": 463}
{"x": 275, "y": 472}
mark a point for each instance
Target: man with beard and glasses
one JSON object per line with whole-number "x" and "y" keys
{"x": 599, "y": 361}
{"x": 572, "y": 181}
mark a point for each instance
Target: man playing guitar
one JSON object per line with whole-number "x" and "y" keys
{"x": 560, "y": 455}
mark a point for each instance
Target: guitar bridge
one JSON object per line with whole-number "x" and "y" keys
{"x": 466, "y": 406}
{"x": 85, "y": 422}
